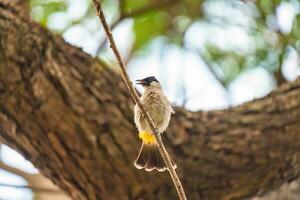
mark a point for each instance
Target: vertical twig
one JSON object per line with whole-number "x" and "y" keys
{"x": 135, "y": 97}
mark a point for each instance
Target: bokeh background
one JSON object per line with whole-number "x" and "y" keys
{"x": 207, "y": 54}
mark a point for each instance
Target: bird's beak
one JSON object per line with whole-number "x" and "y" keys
{"x": 140, "y": 82}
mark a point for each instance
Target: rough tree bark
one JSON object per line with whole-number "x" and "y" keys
{"x": 72, "y": 117}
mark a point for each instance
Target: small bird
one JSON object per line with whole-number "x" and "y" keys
{"x": 159, "y": 108}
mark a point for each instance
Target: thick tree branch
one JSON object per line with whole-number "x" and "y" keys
{"x": 70, "y": 116}
{"x": 20, "y": 5}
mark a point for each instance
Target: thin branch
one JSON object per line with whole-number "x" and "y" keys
{"x": 35, "y": 189}
{"x": 135, "y": 97}
{"x": 279, "y": 77}
{"x": 112, "y": 26}
{"x": 278, "y": 73}
{"x": 156, "y": 5}
{"x": 14, "y": 170}
{"x": 212, "y": 71}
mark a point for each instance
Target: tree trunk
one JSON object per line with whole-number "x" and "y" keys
{"x": 71, "y": 116}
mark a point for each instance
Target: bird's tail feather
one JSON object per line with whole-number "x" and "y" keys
{"x": 149, "y": 158}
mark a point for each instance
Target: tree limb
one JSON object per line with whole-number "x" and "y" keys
{"x": 70, "y": 116}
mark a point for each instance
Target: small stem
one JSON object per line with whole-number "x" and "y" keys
{"x": 156, "y": 5}
{"x": 113, "y": 25}
{"x": 33, "y": 188}
{"x": 136, "y": 99}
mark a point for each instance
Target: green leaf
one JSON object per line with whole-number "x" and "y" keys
{"x": 130, "y": 5}
{"x": 46, "y": 8}
{"x": 149, "y": 26}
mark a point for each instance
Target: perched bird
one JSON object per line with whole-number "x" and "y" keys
{"x": 159, "y": 108}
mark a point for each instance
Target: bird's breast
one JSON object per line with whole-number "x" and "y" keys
{"x": 159, "y": 109}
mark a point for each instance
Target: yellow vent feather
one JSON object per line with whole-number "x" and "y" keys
{"x": 146, "y": 137}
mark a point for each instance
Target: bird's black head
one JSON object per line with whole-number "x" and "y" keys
{"x": 147, "y": 81}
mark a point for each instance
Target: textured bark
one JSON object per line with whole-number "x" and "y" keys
{"x": 72, "y": 117}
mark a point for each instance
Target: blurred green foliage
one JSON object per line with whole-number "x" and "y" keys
{"x": 129, "y": 5}
{"x": 42, "y": 9}
{"x": 149, "y": 26}
{"x": 174, "y": 18}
